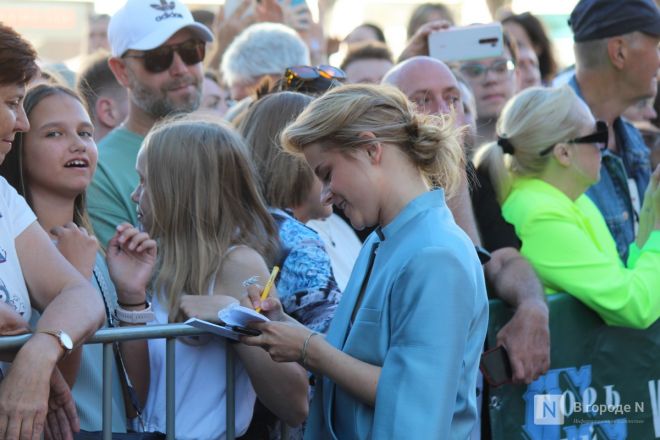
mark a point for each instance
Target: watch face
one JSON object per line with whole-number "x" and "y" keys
{"x": 66, "y": 341}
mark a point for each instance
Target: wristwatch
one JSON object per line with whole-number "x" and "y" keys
{"x": 135, "y": 316}
{"x": 63, "y": 337}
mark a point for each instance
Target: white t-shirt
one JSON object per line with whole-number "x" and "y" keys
{"x": 15, "y": 217}
{"x": 341, "y": 243}
{"x": 200, "y": 391}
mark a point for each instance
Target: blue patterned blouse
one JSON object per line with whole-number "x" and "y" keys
{"x": 306, "y": 284}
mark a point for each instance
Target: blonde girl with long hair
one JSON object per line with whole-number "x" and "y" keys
{"x": 400, "y": 357}
{"x": 198, "y": 197}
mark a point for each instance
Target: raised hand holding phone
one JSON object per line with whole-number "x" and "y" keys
{"x": 467, "y": 43}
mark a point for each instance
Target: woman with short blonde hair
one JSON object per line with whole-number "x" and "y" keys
{"x": 382, "y": 370}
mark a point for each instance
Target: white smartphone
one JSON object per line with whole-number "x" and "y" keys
{"x": 467, "y": 43}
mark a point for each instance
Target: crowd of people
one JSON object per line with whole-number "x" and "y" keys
{"x": 194, "y": 152}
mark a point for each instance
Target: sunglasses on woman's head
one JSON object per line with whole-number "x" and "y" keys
{"x": 160, "y": 59}
{"x": 599, "y": 137}
{"x": 310, "y": 73}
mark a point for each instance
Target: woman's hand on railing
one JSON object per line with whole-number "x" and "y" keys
{"x": 62, "y": 420}
{"x": 24, "y": 390}
{"x": 131, "y": 258}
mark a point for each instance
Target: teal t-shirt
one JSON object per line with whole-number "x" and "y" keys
{"x": 109, "y": 196}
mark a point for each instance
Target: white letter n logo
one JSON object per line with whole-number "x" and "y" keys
{"x": 548, "y": 410}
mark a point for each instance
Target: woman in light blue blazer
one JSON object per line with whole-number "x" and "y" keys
{"x": 400, "y": 358}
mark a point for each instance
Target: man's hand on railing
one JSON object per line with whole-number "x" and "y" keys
{"x": 526, "y": 338}
{"x": 62, "y": 420}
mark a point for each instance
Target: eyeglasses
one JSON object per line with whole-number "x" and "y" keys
{"x": 500, "y": 68}
{"x": 599, "y": 138}
{"x": 297, "y": 75}
{"x": 160, "y": 59}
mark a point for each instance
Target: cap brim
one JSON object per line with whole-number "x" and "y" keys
{"x": 156, "y": 39}
{"x": 652, "y": 28}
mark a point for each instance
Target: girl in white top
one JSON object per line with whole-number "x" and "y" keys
{"x": 197, "y": 196}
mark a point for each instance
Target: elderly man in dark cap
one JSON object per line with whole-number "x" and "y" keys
{"x": 616, "y": 64}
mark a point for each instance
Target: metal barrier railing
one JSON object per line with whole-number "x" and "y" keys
{"x": 170, "y": 332}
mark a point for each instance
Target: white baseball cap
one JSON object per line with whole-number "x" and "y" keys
{"x": 147, "y": 24}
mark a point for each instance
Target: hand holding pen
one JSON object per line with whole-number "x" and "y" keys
{"x": 269, "y": 286}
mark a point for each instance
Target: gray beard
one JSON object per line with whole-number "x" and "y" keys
{"x": 158, "y": 106}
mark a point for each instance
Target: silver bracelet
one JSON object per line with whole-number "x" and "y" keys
{"x": 303, "y": 353}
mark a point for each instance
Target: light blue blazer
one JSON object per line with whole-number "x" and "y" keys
{"x": 422, "y": 319}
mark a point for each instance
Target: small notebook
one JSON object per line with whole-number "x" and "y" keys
{"x": 235, "y": 321}
{"x": 216, "y": 329}
{"x": 240, "y": 316}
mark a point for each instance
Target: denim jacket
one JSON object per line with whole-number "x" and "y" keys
{"x": 611, "y": 194}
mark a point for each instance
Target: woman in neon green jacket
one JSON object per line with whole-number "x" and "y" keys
{"x": 547, "y": 155}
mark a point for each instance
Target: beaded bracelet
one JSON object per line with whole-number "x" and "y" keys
{"x": 303, "y": 353}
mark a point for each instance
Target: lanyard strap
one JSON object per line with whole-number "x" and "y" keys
{"x": 126, "y": 381}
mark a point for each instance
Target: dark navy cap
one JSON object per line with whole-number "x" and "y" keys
{"x": 596, "y": 19}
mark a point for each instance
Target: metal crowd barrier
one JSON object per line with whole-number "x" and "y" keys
{"x": 170, "y": 332}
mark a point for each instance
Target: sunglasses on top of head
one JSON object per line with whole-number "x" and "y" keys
{"x": 310, "y": 73}
{"x": 160, "y": 59}
{"x": 599, "y": 138}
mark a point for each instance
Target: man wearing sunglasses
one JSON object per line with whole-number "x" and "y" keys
{"x": 616, "y": 64}
{"x": 157, "y": 54}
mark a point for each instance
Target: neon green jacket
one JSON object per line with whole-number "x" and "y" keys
{"x": 571, "y": 249}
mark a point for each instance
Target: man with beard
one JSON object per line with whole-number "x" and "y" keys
{"x": 157, "y": 53}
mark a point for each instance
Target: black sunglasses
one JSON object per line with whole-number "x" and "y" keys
{"x": 160, "y": 59}
{"x": 600, "y": 136}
